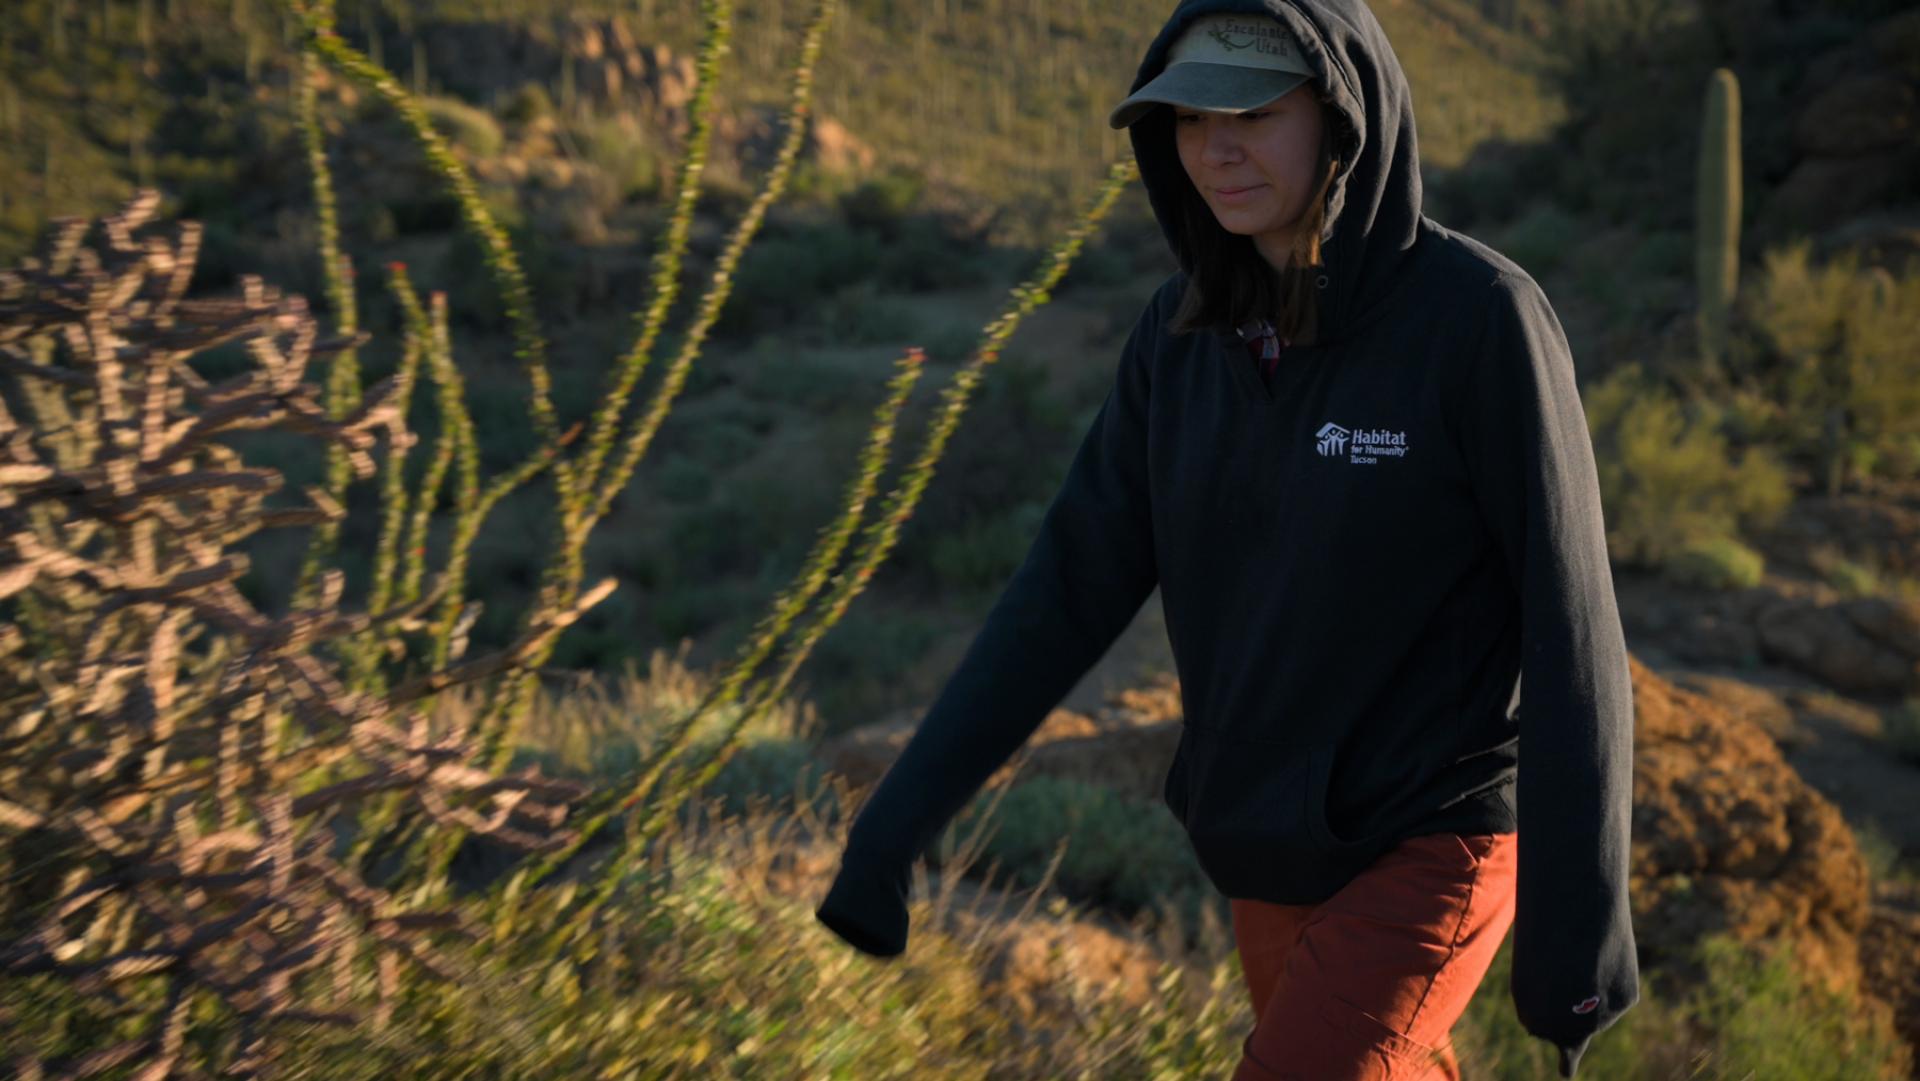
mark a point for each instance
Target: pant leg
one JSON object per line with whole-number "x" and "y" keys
{"x": 1265, "y": 934}
{"x": 1368, "y": 985}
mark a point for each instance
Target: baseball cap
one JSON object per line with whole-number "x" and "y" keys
{"x": 1222, "y": 63}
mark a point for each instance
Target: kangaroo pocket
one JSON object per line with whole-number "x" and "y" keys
{"x": 1255, "y": 813}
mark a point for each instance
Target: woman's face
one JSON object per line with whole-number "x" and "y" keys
{"x": 1255, "y": 169}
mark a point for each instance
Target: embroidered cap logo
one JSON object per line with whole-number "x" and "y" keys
{"x": 1226, "y": 40}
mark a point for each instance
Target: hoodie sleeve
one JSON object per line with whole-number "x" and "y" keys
{"x": 1088, "y": 571}
{"x": 1525, "y": 438}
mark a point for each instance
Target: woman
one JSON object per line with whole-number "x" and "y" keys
{"x": 1347, "y": 445}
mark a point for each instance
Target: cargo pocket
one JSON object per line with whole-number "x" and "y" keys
{"x": 1391, "y": 1055}
{"x": 1477, "y": 846}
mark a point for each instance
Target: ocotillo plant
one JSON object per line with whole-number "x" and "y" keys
{"x": 1717, "y": 217}
{"x": 588, "y": 481}
{"x": 662, "y": 798}
{"x": 171, "y": 757}
{"x": 343, "y": 377}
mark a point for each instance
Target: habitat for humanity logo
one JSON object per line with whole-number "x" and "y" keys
{"x": 1368, "y": 444}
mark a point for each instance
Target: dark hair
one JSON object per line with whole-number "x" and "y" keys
{"x": 1228, "y": 282}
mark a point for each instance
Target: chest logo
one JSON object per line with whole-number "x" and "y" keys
{"x": 1360, "y": 446}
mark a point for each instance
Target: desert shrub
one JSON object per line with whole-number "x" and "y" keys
{"x": 1667, "y": 478}
{"x": 1013, "y": 453}
{"x": 952, "y": 343}
{"x": 1121, "y": 853}
{"x": 469, "y": 129}
{"x": 814, "y": 381}
{"x": 927, "y": 252}
{"x": 1102, "y": 266}
{"x": 1541, "y": 238}
{"x": 1478, "y": 194}
{"x": 688, "y": 609}
{"x": 881, "y": 203}
{"x": 861, "y": 315}
{"x": 601, "y": 729}
{"x": 680, "y": 478}
{"x": 1843, "y": 368}
{"x": 726, "y": 535}
{"x": 1716, "y": 563}
{"x": 530, "y": 102}
{"x": 428, "y": 213}
{"x": 776, "y": 772}
{"x": 1879, "y": 850}
{"x": 617, "y": 149}
{"x": 1663, "y": 253}
{"x": 1745, "y": 1014}
{"x": 1849, "y": 577}
{"x": 605, "y": 636}
{"x": 1767, "y": 1021}
{"x": 700, "y": 923}
{"x": 983, "y": 555}
{"x": 860, "y": 663}
{"x": 784, "y": 278}
{"x": 1491, "y": 1045}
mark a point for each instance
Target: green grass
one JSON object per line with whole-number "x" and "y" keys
{"x": 709, "y": 961}
{"x": 705, "y": 964}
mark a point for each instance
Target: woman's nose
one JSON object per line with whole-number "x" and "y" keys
{"x": 1222, "y": 146}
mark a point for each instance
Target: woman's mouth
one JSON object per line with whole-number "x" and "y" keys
{"x": 1236, "y": 194}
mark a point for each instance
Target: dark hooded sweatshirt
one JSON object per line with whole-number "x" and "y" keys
{"x": 1360, "y": 566}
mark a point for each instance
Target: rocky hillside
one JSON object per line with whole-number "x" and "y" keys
{"x": 1727, "y": 836}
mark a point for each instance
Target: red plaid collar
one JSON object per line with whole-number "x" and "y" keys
{"x": 1264, "y": 342}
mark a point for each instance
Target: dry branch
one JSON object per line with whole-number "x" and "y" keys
{"x": 170, "y": 752}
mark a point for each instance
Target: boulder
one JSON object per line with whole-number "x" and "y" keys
{"x": 1127, "y": 745}
{"x": 1890, "y": 958}
{"x": 752, "y": 136}
{"x": 839, "y": 150}
{"x": 1728, "y": 838}
{"x": 1874, "y": 530}
{"x": 1823, "y": 191}
{"x": 1032, "y": 963}
{"x": 1867, "y": 646}
{"x": 1860, "y": 114}
{"x": 1892, "y": 623}
{"x": 1745, "y": 702}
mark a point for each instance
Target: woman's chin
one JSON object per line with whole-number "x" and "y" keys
{"x": 1241, "y": 224}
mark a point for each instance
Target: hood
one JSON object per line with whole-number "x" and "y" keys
{"x": 1373, "y": 209}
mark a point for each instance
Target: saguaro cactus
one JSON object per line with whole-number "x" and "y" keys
{"x": 1717, "y": 215}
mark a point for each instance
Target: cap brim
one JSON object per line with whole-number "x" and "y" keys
{"x": 1225, "y": 88}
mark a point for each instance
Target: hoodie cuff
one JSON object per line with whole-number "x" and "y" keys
{"x": 1570, "y": 1055}
{"x": 867, "y": 905}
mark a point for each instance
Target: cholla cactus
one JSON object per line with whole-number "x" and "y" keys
{"x": 171, "y": 757}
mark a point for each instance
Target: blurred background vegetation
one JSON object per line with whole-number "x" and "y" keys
{"x": 953, "y": 136}
{"x": 953, "y": 139}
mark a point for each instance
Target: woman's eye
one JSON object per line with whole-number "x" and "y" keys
{"x": 1255, "y": 115}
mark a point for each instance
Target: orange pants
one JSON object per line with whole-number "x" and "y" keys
{"x": 1367, "y": 985}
